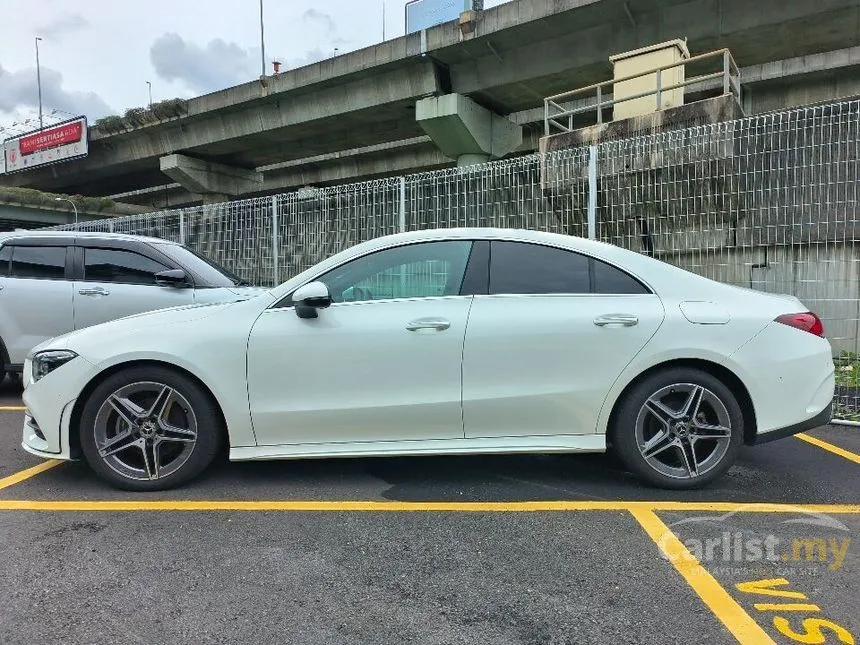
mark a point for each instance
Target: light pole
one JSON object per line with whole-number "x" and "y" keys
{"x": 262, "y": 44}
{"x": 39, "y": 82}
{"x": 150, "y": 94}
{"x": 62, "y": 199}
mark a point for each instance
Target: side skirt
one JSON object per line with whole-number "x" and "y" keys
{"x": 495, "y": 445}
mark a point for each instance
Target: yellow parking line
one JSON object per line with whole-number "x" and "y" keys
{"x": 22, "y": 475}
{"x": 829, "y": 447}
{"x": 717, "y": 599}
{"x": 372, "y": 506}
{"x": 12, "y": 408}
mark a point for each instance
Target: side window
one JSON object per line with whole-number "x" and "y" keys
{"x": 522, "y": 268}
{"x": 116, "y": 265}
{"x": 5, "y": 258}
{"x": 516, "y": 267}
{"x": 610, "y": 280}
{"x": 42, "y": 262}
{"x": 413, "y": 271}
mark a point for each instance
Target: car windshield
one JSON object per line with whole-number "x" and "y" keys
{"x": 211, "y": 272}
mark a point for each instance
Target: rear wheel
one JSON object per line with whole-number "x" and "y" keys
{"x": 679, "y": 428}
{"x": 149, "y": 428}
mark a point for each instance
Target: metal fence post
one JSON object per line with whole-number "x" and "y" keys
{"x": 182, "y": 227}
{"x": 592, "y": 192}
{"x": 110, "y": 227}
{"x": 276, "y": 271}
{"x": 599, "y": 105}
{"x": 402, "y": 214}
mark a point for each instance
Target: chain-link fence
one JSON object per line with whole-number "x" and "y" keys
{"x": 767, "y": 202}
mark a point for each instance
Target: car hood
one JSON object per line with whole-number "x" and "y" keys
{"x": 103, "y": 332}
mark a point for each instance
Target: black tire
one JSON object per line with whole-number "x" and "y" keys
{"x": 192, "y": 402}
{"x": 630, "y": 430}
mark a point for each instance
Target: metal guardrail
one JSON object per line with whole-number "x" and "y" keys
{"x": 554, "y": 111}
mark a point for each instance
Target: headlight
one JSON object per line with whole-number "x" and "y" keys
{"x": 47, "y": 361}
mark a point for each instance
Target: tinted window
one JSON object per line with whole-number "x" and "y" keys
{"x": 414, "y": 271}
{"x": 115, "y": 265}
{"x": 517, "y": 267}
{"x": 608, "y": 279}
{"x": 47, "y": 262}
{"x": 5, "y": 256}
{"x": 211, "y": 273}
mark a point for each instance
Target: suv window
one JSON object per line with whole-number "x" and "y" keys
{"x": 42, "y": 262}
{"x": 414, "y": 271}
{"x": 522, "y": 268}
{"x": 5, "y": 257}
{"x": 117, "y": 265}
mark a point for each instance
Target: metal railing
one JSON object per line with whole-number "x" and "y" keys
{"x": 729, "y": 75}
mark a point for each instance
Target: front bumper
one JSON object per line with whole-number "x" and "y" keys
{"x": 49, "y": 405}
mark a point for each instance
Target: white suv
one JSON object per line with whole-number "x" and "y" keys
{"x": 54, "y": 282}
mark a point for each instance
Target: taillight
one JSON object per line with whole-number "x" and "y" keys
{"x": 806, "y": 321}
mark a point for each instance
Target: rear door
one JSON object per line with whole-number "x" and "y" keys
{"x": 548, "y": 340}
{"x": 116, "y": 280}
{"x": 35, "y": 295}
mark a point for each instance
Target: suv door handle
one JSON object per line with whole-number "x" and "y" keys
{"x": 94, "y": 291}
{"x": 439, "y": 324}
{"x": 627, "y": 320}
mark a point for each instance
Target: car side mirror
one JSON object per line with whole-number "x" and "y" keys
{"x": 310, "y": 297}
{"x": 171, "y": 278}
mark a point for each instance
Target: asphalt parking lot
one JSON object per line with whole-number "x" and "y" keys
{"x": 513, "y": 549}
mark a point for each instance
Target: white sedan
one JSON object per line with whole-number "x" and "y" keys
{"x": 460, "y": 341}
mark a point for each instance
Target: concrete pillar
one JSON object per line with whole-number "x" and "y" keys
{"x": 466, "y": 131}
{"x": 215, "y": 182}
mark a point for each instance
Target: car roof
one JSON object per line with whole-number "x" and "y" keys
{"x": 89, "y": 235}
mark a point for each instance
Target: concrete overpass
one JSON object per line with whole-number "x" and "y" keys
{"x": 353, "y": 117}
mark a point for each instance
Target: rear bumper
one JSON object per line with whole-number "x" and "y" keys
{"x": 822, "y": 418}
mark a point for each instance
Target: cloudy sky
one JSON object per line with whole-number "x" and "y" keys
{"x": 97, "y": 55}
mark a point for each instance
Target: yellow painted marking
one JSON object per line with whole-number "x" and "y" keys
{"x": 766, "y": 588}
{"x": 12, "y": 408}
{"x": 372, "y": 506}
{"x": 717, "y": 599}
{"x": 767, "y": 606}
{"x": 829, "y": 447}
{"x": 22, "y": 475}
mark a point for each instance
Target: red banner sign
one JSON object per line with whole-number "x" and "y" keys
{"x": 59, "y": 136}
{"x": 57, "y": 143}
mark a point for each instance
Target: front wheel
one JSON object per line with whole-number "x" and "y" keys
{"x": 679, "y": 428}
{"x": 149, "y": 428}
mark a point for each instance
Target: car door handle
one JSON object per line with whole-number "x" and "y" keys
{"x": 439, "y": 324}
{"x": 95, "y": 291}
{"x": 626, "y": 320}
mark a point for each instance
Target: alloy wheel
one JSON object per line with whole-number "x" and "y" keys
{"x": 683, "y": 430}
{"x": 145, "y": 430}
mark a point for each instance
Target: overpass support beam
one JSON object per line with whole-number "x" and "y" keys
{"x": 466, "y": 131}
{"x": 215, "y": 182}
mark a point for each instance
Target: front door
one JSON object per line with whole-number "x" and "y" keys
{"x": 547, "y": 342}
{"x": 382, "y": 363}
{"x": 120, "y": 282}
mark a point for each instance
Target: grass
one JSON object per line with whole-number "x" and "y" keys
{"x": 847, "y": 369}
{"x": 847, "y": 375}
